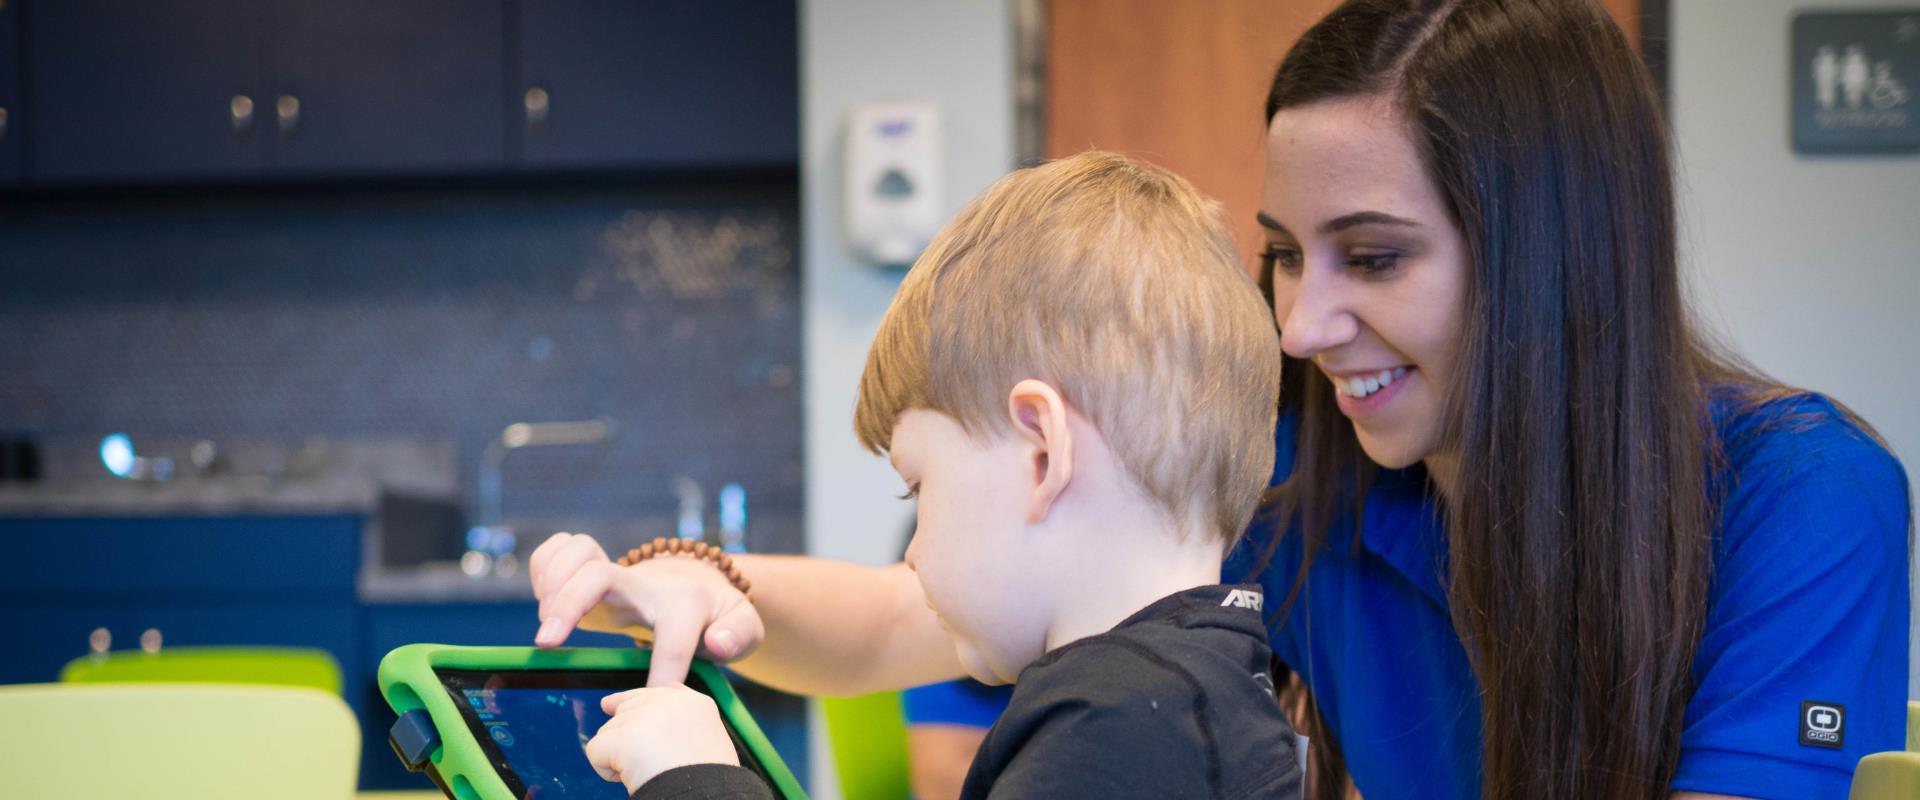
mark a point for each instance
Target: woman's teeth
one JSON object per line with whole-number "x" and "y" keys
{"x": 1363, "y": 385}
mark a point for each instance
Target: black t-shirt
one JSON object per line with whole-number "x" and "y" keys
{"x": 1176, "y": 701}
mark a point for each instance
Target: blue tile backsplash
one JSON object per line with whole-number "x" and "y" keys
{"x": 441, "y": 315}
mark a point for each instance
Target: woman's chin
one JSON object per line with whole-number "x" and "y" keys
{"x": 1387, "y": 452}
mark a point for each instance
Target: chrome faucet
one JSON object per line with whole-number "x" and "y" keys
{"x": 490, "y": 543}
{"x": 530, "y": 434}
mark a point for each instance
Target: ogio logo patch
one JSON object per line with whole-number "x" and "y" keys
{"x": 1823, "y": 724}
{"x": 1243, "y": 598}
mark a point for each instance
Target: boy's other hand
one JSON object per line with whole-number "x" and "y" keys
{"x": 689, "y": 607}
{"x": 655, "y": 730}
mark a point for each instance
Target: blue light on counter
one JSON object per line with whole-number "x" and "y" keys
{"x": 116, "y": 452}
{"x": 733, "y": 518}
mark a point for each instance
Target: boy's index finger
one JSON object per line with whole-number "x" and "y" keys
{"x": 611, "y": 703}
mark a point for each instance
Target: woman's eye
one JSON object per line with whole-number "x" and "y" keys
{"x": 913, "y": 491}
{"x": 1279, "y": 257}
{"x": 1374, "y": 264}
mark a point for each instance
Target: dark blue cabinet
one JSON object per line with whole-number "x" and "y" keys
{"x": 10, "y": 118}
{"x": 375, "y": 86}
{"x": 259, "y": 580}
{"x": 242, "y": 557}
{"x": 220, "y": 89}
{"x": 195, "y": 580}
{"x": 173, "y": 91}
{"x": 147, "y": 90}
{"x": 51, "y": 634}
{"x": 668, "y": 83}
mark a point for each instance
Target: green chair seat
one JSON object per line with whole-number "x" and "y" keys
{"x": 174, "y": 741}
{"x": 273, "y": 666}
{"x": 1893, "y": 775}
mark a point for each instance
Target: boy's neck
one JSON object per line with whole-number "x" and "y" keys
{"x": 1123, "y": 569}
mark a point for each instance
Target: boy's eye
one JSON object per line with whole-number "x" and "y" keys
{"x": 1374, "y": 264}
{"x": 1277, "y": 256}
{"x": 913, "y": 491}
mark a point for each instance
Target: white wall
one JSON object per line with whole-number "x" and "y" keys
{"x": 960, "y": 56}
{"x": 1809, "y": 265}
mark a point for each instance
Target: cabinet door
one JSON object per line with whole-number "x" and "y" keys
{"x": 145, "y": 89}
{"x": 309, "y": 558}
{"x": 668, "y": 83}
{"x": 10, "y": 117}
{"x": 44, "y": 636}
{"x": 375, "y": 86}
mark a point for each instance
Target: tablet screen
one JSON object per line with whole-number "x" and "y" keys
{"x": 534, "y": 726}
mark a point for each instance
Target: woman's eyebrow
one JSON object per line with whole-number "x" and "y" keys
{"x": 1342, "y": 223}
{"x": 1359, "y": 218}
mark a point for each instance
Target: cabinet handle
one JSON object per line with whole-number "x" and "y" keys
{"x": 536, "y": 102}
{"x": 150, "y": 640}
{"x": 287, "y": 108}
{"x": 240, "y": 109}
{"x": 100, "y": 641}
{"x": 3, "y": 123}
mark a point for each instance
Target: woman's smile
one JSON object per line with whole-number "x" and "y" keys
{"x": 1365, "y": 392}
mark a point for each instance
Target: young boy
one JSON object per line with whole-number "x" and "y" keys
{"x": 1079, "y": 382}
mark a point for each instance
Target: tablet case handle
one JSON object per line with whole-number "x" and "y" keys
{"x": 414, "y": 739}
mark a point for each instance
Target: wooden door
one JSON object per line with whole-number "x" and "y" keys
{"x": 1183, "y": 85}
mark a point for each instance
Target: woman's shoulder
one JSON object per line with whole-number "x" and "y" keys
{"x": 1802, "y": 463}
{"x": 1769, "y": 433}
{"x": 1807, "y": 599}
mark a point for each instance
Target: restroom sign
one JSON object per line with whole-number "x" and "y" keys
{"x": 1854, "y": 78}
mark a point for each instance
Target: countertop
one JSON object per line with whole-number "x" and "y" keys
{"x": 215, "y": 497}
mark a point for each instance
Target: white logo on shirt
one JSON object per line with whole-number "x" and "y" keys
{"x": 1822, "y": 724}
{"x": 1243, "y": 598}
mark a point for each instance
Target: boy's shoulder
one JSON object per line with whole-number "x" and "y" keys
{"x": 1176, "y": 701}
{"x": 1201, "y": 641}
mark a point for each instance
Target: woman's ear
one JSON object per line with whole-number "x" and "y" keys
{"x": 1040, "y": 419}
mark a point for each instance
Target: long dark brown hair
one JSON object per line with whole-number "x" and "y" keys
{"x": 1579, "y": 533}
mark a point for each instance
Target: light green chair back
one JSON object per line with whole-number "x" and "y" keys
{"x": 869, "y": 739}
{"x": 274, "y": 666}
{"x": 176, "y": 741}
{"x": 1894, "y": 775}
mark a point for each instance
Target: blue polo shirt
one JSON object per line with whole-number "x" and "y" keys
{"x": 963, "y": 702}
{"x": 1808, "y": 603}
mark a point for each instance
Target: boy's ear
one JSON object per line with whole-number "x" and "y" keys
{"x": 1040, "y": 419}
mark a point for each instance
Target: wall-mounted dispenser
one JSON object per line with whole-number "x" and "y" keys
{"x": 893, "y": 181}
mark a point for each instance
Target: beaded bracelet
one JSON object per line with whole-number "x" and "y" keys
{"x": 663, "y": 546}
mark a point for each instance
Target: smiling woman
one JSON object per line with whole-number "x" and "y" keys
{"x": 1374, "y": 280}
{"x": 1470, "y": 252}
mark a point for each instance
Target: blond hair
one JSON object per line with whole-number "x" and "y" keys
{"x": 1116, "y": 283}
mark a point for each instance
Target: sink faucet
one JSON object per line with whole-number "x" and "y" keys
{"x": 530, "y": 434}
{"x": 490, "y": 544}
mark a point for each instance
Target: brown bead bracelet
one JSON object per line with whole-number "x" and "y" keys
{"x": 663, "y": 546}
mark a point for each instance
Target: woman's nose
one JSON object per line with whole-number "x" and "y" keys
{"x": 1316, "y": 321}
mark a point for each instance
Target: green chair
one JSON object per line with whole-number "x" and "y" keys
{"x": 869, "y": 739}
{"x": 274, "y": 666}
{"x": 1891, "y": 775}
{"x": 176, "y": 740}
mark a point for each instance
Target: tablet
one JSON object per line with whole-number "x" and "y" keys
{"x": 493, "y": 723}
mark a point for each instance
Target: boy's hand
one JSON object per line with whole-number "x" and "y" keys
{"x": 689, "y": 606}
{"x": 655, "y": 730}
